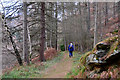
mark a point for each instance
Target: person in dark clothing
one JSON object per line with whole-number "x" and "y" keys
{"x": 70, "y": 49}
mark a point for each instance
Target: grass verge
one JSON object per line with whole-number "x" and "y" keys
{"x": 33, "y": 70}
{"x": 75, "y": 70}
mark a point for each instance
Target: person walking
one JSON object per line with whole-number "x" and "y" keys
{"x": 71, "y": 49}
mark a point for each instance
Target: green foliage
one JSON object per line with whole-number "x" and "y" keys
{"x": 115, "y": 31}
{"x": 83, "y": 58}
{"x": 24, "y": 72}
{"x": 83, "y": 69}
{"x": 62, "y": 47}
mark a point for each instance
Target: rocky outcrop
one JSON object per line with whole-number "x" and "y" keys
{"x": 103, "y": 59}
{"x": 105, "y": 52}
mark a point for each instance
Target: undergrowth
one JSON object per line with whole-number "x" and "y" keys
{"x": 33, "y": 70}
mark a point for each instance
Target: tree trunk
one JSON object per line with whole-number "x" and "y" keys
{"x": 100, "y": 22}
{"x": 114, "y": 9}
{"x": 42, "y": 44}
{"x": 119, "y": 25}
{"x": 30, "y": 45}
{"x": 51, "y": 24}
{"x": 51, "y": 39}
{"x": 14, "y": 46}
{"x": 95, "y": 29}
{"x": 106, "y": 13}
{"x": 80, "y": 8}
{"x": 25, "y": 35}
{"x": 56, "y": 15}
{"x": 11, "y": 39}
{"x": 88, "y": 18}
{"x": 16, "y": 50}
{"x": 64, "y": 35}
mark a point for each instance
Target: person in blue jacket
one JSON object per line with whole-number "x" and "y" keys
{"x": 71, "y": 49}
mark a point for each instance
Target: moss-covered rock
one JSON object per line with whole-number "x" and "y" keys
{"x": 101, "y": 52}
{"x": 96, "y": 62}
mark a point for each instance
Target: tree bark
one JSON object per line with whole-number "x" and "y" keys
{"x": 106, "y": 13}
{"x": 25, "y": 35}
{"x": 114, "y": 9}
{"x": 64, "y": 35}
{"x": 95, "y": 29}
{"x": 42, "y": 44}
{"x": 100, "y": 24}
{"x": 56, "y": 15}
{"x": 51, "y": 24}
{"x": 88, "y": 18}
{"x": 17, "y": 54}
{"x": 30, "y": 44}
{"x": 119, "y": 25}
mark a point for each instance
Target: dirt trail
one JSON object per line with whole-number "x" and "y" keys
{"x": 59, "y": 70}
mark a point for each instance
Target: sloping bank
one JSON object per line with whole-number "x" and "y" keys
{"x": 33, "y": 70}
{"x": 101, "y": 62}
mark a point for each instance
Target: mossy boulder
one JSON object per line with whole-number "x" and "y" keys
{"x": 103, "y": 52}
{"x": 102, "y": 56}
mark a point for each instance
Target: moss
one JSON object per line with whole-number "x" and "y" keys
{"x": 82, "y": 64}
{"x": 83, "y": 69}
{"x": 112, "y": 48}
{"x": 109, "y": 40}
{"x": 83, "y": 58}
{"x": 112, "y": 41}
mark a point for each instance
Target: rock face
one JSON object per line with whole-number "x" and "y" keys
{"x": 105, "y": 52}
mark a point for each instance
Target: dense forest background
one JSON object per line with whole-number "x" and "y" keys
{"x": 29, "y": 28}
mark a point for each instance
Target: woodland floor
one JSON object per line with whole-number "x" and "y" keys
{"x": 59, "y": 70}
{"x": 60, "y": 67}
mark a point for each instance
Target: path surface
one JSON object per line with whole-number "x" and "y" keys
{"x": 59, "y": 70}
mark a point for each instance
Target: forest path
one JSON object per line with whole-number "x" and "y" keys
{"x": 59, "y": 70}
